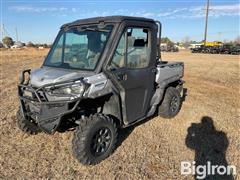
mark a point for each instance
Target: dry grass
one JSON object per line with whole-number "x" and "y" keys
{"x": 151, "y": 150}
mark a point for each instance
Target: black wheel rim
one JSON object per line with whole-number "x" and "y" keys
{"x": 174, "y": 103}
{"x": 101, "y": 141}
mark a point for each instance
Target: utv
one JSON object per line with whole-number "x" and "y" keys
{"x": 100, "y": 75}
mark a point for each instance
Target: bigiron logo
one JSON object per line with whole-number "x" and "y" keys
{"x": 208, "y": 169}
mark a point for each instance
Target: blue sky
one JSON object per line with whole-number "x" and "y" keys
{"x": 39, "y": 21}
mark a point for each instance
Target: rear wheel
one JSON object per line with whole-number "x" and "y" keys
{"x": 94, "y": 139}
{"x": 171, "y": 103}
{"x": 27, "y": 126}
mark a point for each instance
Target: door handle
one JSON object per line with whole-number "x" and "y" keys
{"x": 122, "y": 77}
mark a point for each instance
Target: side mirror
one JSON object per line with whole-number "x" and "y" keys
{"x": 129, "y": 32}
{"x": 145, "y": 30}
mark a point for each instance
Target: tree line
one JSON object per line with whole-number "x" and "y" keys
{"x": 186, "y": 41}
{"x": 9, "y": 42}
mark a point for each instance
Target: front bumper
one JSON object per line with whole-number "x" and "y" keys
{"x": 47, "y": 114}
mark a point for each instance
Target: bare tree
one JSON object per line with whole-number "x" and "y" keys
{"x": 186, "y": 41}
{"x": 237, "y": 40}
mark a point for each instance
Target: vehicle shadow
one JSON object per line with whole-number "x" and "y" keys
{"x": 123, "y": 134}
{"x": 65, "y": 126}
{"x": 210, "y": 147}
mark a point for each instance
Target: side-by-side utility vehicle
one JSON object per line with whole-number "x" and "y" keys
{"x": 101, "y": 74}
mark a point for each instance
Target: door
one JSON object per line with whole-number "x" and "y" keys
{"x": 131, "y": 68}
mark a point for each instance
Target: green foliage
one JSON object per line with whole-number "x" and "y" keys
{"x": 166, "y": 40}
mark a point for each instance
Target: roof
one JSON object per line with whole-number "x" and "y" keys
{"x": 113, "y": 19}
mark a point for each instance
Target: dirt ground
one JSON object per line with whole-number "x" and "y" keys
{"x": 153, "y": 149}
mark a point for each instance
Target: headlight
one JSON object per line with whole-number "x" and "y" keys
{"x": 75, "y": 89}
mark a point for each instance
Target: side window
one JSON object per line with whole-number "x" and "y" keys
{"x": 119, "y": 55}
{"x": 138, "y": 49}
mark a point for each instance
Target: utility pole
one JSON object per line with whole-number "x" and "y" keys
{"x": 206, "y": 23}
{"x": 2, "y": 30}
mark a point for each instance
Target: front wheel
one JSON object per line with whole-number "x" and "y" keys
{"x": 94, "y": 139}
{"x": 27, "y": 125}
{"x": 171, "y": 103}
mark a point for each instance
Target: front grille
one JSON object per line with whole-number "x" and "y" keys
{"x": 34, "y": 107}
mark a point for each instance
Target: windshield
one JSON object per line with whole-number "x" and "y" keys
{"x": 78, "y": 47}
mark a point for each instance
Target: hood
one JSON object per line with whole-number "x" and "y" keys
{"x": 46, "y": 75}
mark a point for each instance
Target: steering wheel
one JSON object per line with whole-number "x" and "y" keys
{"x": 75, "y": 59}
